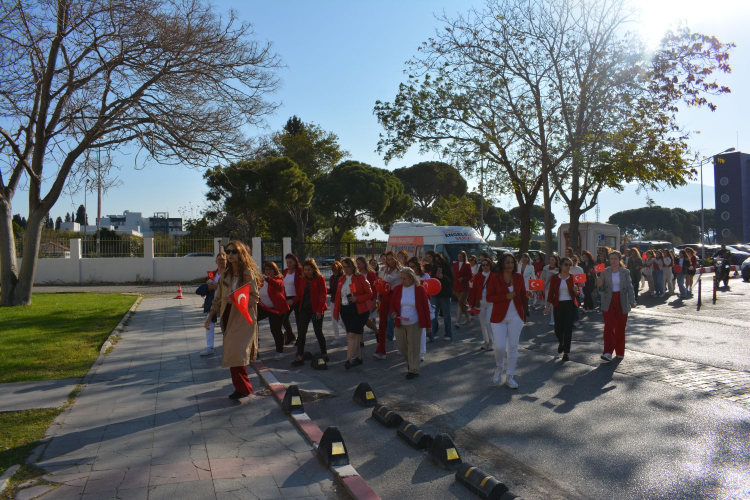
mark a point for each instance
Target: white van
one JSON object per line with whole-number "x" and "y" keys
{"x": 591, "y": 235}
{"x": 419, "y": 237}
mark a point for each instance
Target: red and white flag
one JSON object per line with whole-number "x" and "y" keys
{"x": 599, "y": 268}
{"x": 536, "y": 284}
{"x": 579, "y": 278}
{"x": 211, "y": 275}
{"x": 241, "y": 300}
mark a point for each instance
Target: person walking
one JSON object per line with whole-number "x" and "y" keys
{"x": 367, "y": 271}
{"x": 550, "y": 270}
{"x": 690, "y": 273}
{"x": 528, "y": 273}
{"x": 507, "y": 292}
{"x": 391, "y": 275}
{"x": 562, "y": 298}
{"x": 461, "y": 276}
{"x": 657, "y": 265}
{"x": 352, "y": 304}
{"x": 682, "y": 264}
{"x": 292, "y": 275}
{"x": 668, "y": 260}
{"x": 538, "y": 264}
{"x": 310, "y": 301}
{"x": 337, "y": 272}
{"x": 402, "y": 256}
{"x": 474, "y": 264}
{"x": 635, "y": 265}
{"x": 429, "y": 262}
{"x": 648, "y": 271}
{"x": 478, "y": 300}
{"x": 273, "y": 304}
{"x": 410, "y": 311}
{"x": 589, "y": 288}
{"x": 442, "y": 300}
{"x": 212, "y": 284}
{"x": 575, "y": 269}
{"x": 240, "y": 344}
{"x": 618, "y": 298}
{"x": 416, "y": 266}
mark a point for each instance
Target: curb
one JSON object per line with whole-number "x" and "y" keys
{"x": 347, "y": 475}
{"x": 6, "y": 477}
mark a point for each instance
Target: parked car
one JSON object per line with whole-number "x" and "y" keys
{"x": 746, "y": 270}
{"x": 200, "y": 254}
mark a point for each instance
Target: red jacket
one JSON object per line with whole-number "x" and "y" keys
{"x": 475, "y": 290}
{"x": 363, "y": 293}
{"x": 497, "y": 292}
{"x": 372, "y": 277}
{"x": 554, "y": 290}
{"x": 276, "y": 293}
{"x": 297, "y": 276}
{"x": 461, "y": 285}
{"x": 318, "y": 292}
{"x": 422, "y": 304}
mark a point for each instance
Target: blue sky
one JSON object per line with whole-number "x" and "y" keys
{"x": 341, "y": 56}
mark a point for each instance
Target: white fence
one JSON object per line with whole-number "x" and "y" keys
{"x": 76, "y": 269}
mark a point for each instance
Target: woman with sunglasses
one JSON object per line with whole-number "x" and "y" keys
{"x": 617, "y": 300}
{"x": 311, "y": 304}
{"x": 273, "y": 304}
{"x": 478, "y": 300}
{"x": 474, "y": 264}
{"x": 562, "y": 297}
{"x": 292, "y": 275}
{"x": 507, "y": 293}
{"x": 240, "y": 337}
{"x": 352, "y": 304}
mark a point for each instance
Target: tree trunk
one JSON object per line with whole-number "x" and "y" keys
{"x": 524, "y": 214}
{"x": 547, "y": 215}
{"x": 301, "y": 221}
{"x": 575, "y": 215}
{"x": 17, "y": 284}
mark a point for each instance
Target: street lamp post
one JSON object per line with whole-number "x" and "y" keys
{"x": 703, "y": 225}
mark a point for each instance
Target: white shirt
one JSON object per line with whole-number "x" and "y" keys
{"x": 289, "y": 287}
{"x": 512, "y": 312}
{"x": 615, "y": 282}
{"x": 563, "y": 293}
{"x": 475, "y": 269}
{"x": 264, "y": 298}
{"x": 409, "y": 314}
{"x": 345, "y": 290}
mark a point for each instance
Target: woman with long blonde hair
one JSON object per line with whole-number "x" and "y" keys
{"x": 240, "y": 337}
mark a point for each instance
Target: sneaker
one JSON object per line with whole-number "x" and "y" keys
{"x": 377, "y": 355}
{"x": 607, "y": 357}
{"x": 298, "y": 362}
{"x": 498, "y": 376}
{"x": 619, "y": 357}
{"x": 208, "y": 351}
{"x": 483, "y": 346}
{"x": 510, "y": 382}
{"x": 357, "y": 362}
{"x": 565, "y": 357}
{"x": 238, "y": 395}
{"x": 347, "y": 364}
{"x": 334, "y": 342}
{"x": 279, "y": 355}
{"x": 447, "y": 338}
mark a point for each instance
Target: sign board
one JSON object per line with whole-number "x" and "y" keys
{"x": 461, "y": 235}
{"x": 406, "y": 240}
{"x": 601, "y": 239}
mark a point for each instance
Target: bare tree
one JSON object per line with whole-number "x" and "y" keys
{"x": 170, "y": 77}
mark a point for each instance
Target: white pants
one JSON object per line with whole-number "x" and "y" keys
{"x": 210, "y": 334}
{"x": 485, "y": 313}
{"x": 423, "y": 346}
{"x": 668, "y": 283}
{"x": 337, "y": 323}
{"x": 505, "y": 338}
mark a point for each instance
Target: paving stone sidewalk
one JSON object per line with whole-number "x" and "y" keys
{"x": 155, "y": 422}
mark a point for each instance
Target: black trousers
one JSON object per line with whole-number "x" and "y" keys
{"x": 636, "y": 286}
{"x": 565, "y": 316}
{"x": 275, "y": 320}
{"x": 288, "y": 332}
{"x": 588, "y": 295}
{"x": 303, "y": 321}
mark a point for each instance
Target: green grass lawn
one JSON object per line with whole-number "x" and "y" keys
{"x": 21, "y": 430}
{"x": 58, "y": 336}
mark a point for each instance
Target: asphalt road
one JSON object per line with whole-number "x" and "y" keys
{"x": 672, "y": 420}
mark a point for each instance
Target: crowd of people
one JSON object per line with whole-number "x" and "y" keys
{"x": 408, "y": 298}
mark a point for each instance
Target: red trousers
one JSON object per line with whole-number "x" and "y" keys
{"x": 383, "y": 313}
{"x": 240, "y": 380}
{"x": 614, "y": 327}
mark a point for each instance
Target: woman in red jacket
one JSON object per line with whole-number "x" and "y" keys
{"x": 461, "y": 277}
{"x": 478, "y": 300}
{"x": 563, "y": 298}
{"x": 273, "y": 304}
{"x": 353, "y": 303}
{"x": 507, "y": 292}
{"x": 311, "y": 304}
{"x": 410, "y": 310}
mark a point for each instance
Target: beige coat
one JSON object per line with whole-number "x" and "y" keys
{"x": 240, "y": 337}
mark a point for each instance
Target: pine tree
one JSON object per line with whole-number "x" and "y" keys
{"x": 58, "y": 222}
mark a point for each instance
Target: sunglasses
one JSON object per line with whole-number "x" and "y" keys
{"x": 232, "y": 252}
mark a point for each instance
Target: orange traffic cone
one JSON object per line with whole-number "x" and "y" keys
{"x": 179, "y": 292}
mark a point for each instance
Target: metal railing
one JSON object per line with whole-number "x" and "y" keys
{"x": 126, "y": 246}
{"x": 175, "y": 246}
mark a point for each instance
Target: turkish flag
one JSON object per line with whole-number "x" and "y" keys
{"x": 241, "y": 300}
{"x": 211, "y": 275}
{"x": 536, "y": 284}
{"x": 353, "y": 287}
{"x": 579, "y": 278}
{"x": 599, "y": 268}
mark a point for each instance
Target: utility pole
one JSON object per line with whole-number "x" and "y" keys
{"x": 484, "y": 148}
{"x": 99, "y": 203}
